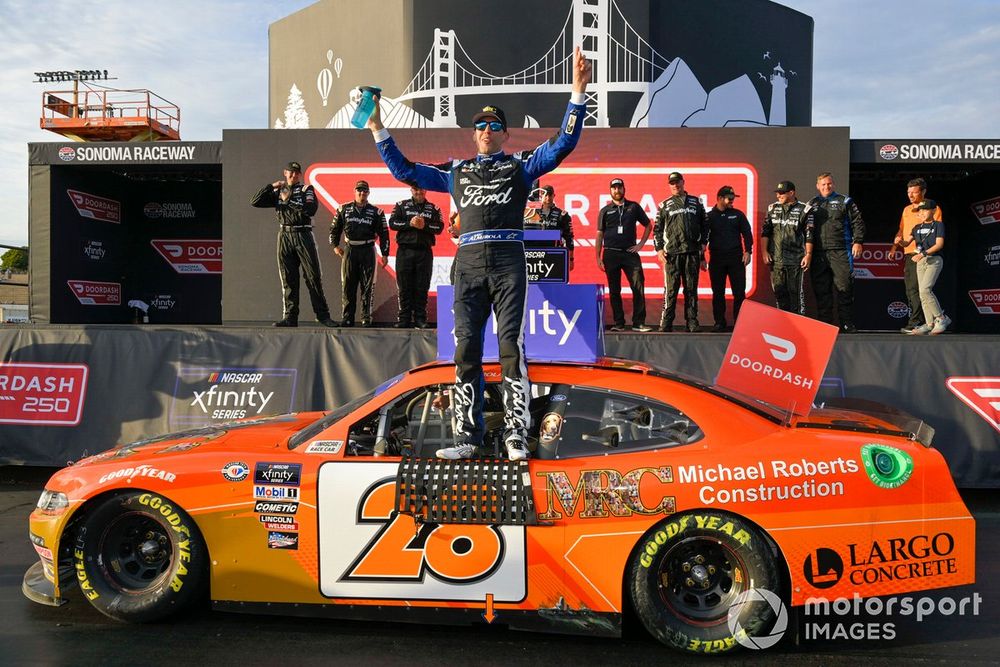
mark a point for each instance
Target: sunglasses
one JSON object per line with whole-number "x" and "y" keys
{"x": 494, "y": 125}
{"x": 361, "y": 190}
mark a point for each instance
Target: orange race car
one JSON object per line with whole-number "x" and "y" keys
{"x": 645, "y": 491}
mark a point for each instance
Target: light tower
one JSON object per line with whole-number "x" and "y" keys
{"x": 778, "y": 85}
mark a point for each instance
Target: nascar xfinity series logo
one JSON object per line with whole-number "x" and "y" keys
{"x": 205, "y": 396}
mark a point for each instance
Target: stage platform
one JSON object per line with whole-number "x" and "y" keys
{"x": 134, "y": 381}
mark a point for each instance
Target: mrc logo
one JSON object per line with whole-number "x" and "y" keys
{"x": 581, "y": 191}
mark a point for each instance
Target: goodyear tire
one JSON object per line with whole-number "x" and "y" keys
{"x": 139, "y": 557}
{"x": 689, "y": 570}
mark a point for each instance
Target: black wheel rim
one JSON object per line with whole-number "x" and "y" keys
{"x": 136, "y": 552}
{"x": 699, "y": 579}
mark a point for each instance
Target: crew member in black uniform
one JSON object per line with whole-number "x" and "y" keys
{"x": 787, "y": 247}
{"x": 361, "y": 224}
{"x": 294, "y": 206}
{"x": 730, "y": 247}
{"x": 680, "y": 236}
{"x": 551, "y": 217}
{"x": 416, "y": 222}
{"x": 618, "y": 252}
{"x": 490, "y": 191}
{"x": 838, "y": 235}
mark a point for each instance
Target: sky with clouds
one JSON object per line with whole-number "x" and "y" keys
{"x": 886, "y": 68}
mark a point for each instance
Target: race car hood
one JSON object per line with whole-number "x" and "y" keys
{"x": 267, "y": 432}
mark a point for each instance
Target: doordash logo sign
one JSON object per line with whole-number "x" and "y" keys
{"x": 777, "y": 357}
{"x": 95, "y": 207}
{"x": 42, "y": 394}
{"x": 191, "y": 255}
{"x": 781, "y": 349}
{"x": 982, "y": 394}
{"x": 987, "y": 301}
{"x": 92, "y": 293}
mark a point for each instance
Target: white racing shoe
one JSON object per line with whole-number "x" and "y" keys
{"x": 464, "y": 451}
{"x": 517, "y": 449}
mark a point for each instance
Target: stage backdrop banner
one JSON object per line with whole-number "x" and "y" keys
{"x": 119, "y": 384}
{"x": 751, "y": 160}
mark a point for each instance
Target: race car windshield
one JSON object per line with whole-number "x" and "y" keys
{"x": 328, "y": 420}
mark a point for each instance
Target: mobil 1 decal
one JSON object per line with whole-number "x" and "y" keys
{"x": 215, "y": 395}
{"x": 368, "y": 550}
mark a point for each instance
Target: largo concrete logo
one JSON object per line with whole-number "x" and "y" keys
{"x": 204, "y": 396}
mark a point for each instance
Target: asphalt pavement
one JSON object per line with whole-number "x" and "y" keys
{"x": 76, "y": 634}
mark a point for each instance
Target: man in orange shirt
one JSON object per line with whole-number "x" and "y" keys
{"x": 916, "y": 191}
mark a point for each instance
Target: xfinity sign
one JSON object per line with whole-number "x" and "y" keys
{"x": 561, "y": 322}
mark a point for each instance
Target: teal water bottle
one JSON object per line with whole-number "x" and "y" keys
{"x": 366, "y": 105}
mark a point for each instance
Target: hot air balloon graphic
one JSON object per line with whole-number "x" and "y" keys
{"x": 337, "y": 66}
{"x": 323, "y": 83}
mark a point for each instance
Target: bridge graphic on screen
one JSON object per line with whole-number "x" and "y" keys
{"x": 624, "y": 62}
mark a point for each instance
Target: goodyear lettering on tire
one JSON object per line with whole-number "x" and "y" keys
{"x": 687, "y": 522}
{"x": 168, "y": 513}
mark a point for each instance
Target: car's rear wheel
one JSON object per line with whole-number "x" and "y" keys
{"x": 139, "y": 557}
{"x": 690, "y": 570}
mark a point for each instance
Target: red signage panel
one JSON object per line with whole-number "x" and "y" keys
{"x": 581, "y": 191}
{"x": 94, "y": 293}
{"x": 42, "y": 394}
{"x": 777, "y": 357}
{"x": 191, "y": 255}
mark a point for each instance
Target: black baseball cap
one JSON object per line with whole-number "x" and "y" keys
{"x": 727, "y": 191}
{"x": 361, "y": 185}
{"x": 490, "y": 111}
{"x": 617, "y": 181}
{"x": 927, "y": 205}
{"x": 549, "y": 189}
{"x": 675, "y": 176}
{"x": 294, "y": 166}
{"x": 784, "y": 186}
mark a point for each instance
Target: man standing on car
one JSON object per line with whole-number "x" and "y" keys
{"x": 838, "y": 234}
{"x": 491, "y": 191}
{"x": 616, "y": 238}
{"x": 787, "y": 247}
{"x": 680, "y": 236}
{"x": 361, "y": 224}
{"x": 416, "y": 222}
{"x": 294, "y": 206}
{"x": 916, "y": 191}
{"x": 730, "y": 247}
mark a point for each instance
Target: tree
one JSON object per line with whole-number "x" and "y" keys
{"x": 15, "y": 259}
{"x": 296, "y": 115}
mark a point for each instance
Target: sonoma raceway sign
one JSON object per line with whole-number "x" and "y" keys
{"x": 580, "y": 191}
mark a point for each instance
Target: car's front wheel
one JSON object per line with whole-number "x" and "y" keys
{"x": 139, "y": 557}
{"x": 690, "y": 570}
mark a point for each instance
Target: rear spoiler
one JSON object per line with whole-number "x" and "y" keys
{"x": 897, "y": 422}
